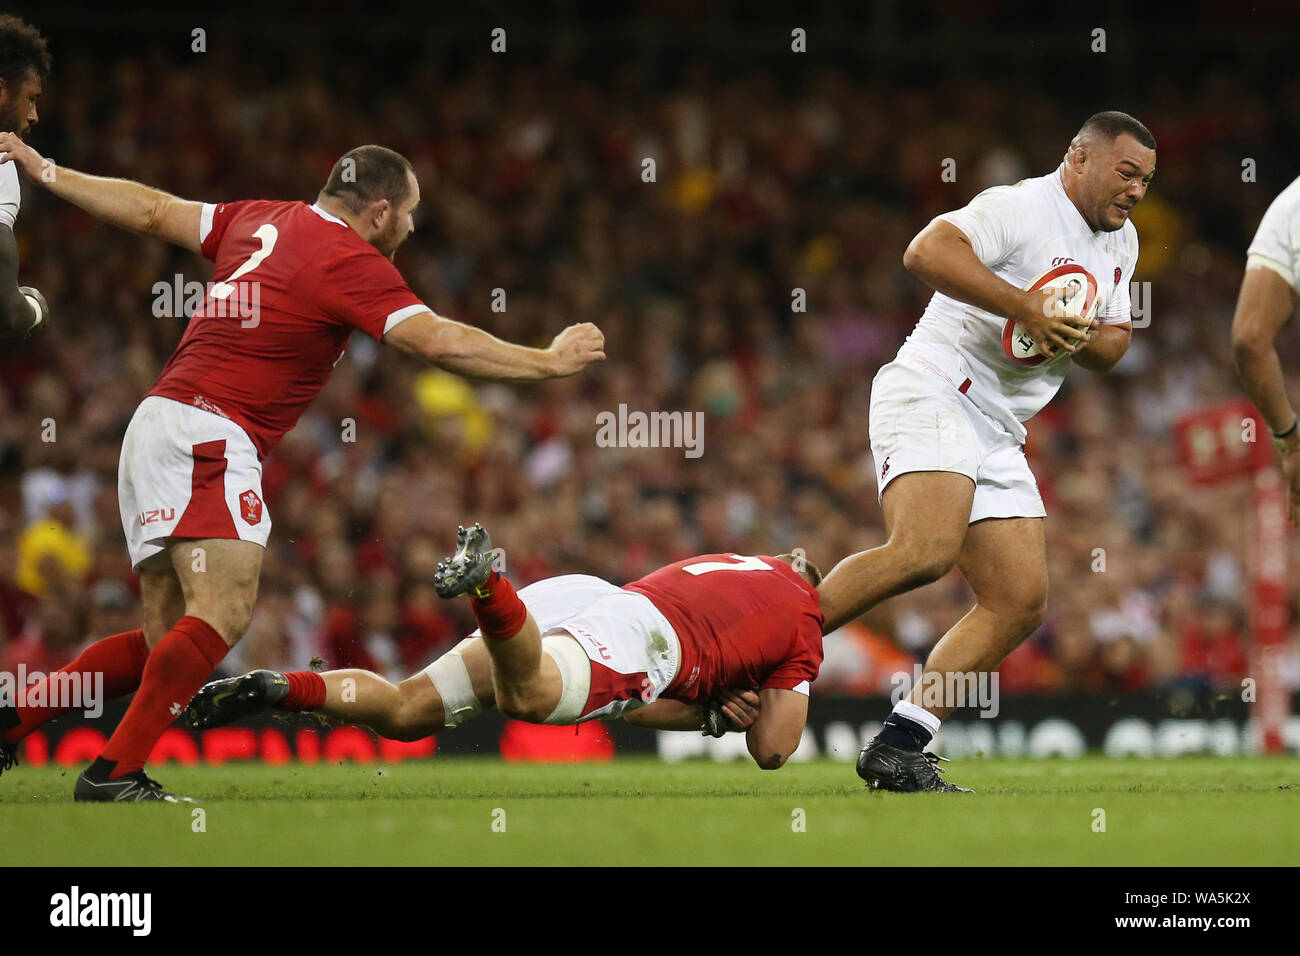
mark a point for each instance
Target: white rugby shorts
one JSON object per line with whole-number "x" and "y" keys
{"x": 920, "y": 422}
{"x": 616, "y": 655}
{"x": 187, "y": 473}
{"x": 614, "y": 649}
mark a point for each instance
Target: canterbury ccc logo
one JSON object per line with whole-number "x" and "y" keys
{"x": 251, "y": 507}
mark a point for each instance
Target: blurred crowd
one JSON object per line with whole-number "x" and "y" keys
{"x": 757, "y": 279}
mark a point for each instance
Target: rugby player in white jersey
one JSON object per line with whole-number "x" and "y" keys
{"x": 24, "y": 66}
{"x": 1265, "y": 304}
{"x": 947, "y": 415}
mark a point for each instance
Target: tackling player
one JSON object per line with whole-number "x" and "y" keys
{"x": 676, "y": 650}
{"x": 296, "y": 280}
{"x": 24, "y": 67}
{"x": 1265, "y": 304}
{"x": 947, "y": 415}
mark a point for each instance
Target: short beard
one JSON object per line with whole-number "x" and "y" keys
{"x": 390, "y": 245}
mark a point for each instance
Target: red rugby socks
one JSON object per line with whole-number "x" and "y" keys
{"x": 120, "y": 659}
{"x": 501, "y": 615}
{"x": 306, "y": 691}
{"x": 178, "y": 666}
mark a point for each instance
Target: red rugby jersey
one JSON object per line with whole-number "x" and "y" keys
{"x": 742, "y": 622}
{"x": 291, "y": 284}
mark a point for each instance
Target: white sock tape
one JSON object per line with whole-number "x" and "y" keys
{"x": 451, "y": 677}
{"x": 575, "y": 676}
{"x": 905, "y": 708}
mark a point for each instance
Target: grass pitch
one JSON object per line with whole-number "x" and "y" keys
{"x": 638, "y": 811}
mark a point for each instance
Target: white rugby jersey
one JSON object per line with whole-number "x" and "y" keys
{"x": 10, "y": 196}
{"x": 1019, "y": 232}
{"x": 1277, "y": 241}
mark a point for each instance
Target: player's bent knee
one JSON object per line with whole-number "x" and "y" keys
{"x": 406, "y": 729}
{"x": 1024, "y": 610}
{"x": 416, "y": 716}
{"x": 231, "y": 624}
{"x": 924, "y": 555}
{"x": 1018, "y": 623}
{"x": 519, "y": 710}
{"x": 1031, "y": 619}
{"x": 155, "y": 630}
{"x": 925, "y": 564}
{"x": 523, "y": 706}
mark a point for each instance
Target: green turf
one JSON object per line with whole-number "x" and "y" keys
{"x": 1190, "y": 811}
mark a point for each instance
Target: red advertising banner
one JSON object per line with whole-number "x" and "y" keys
{"x": 1223, "y": 441}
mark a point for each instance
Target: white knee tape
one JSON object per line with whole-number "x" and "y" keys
{"x": 575, "y": 676}
{"x": 451, "y": 677}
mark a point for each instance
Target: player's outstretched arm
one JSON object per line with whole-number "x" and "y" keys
{"x": 738, "y": 708}
{"x": 21, "y": 308}
{"x": 779, "y": 727}
{"x": 942, "y": 257}
{"x": 665, "y": 714}
{"x": 121, "y": 202}
{"x": 471, "y": 352}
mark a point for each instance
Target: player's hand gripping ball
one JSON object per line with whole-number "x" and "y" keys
{"x": 1077, "y": 296}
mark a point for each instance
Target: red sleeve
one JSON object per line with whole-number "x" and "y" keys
{"x": 803, "y": 663}
{"x": 367, "y": 292}
{"x": 214, "y": 219}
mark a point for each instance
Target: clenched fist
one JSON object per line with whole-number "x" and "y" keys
{"x": 575, "y": 348}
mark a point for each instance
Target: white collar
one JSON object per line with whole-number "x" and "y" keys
{"x": 328, "y": 215}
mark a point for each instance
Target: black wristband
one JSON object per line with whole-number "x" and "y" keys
{"x": 1289, "y": 432}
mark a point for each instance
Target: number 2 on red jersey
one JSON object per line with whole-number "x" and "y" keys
{"x": 268, "y": 235}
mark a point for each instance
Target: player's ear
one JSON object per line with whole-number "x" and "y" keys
{"x": 1076, "y": 155}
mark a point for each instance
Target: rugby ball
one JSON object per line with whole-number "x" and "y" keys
{"x": 1078, "y": 296}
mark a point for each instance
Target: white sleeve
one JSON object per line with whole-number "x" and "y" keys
{"x": 1120, "y": 307}
{"x": 206, "y": 212}
{"x": 992, "y": 222}
{"x": 11, "y": 197}
{"x": 1277, "y": 241}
